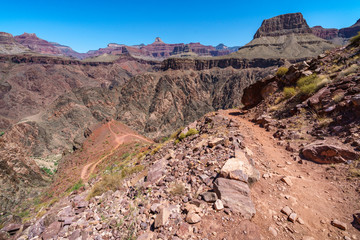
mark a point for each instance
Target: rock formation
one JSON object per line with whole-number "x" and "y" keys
{"x": 36, "y": 44}
{"x": 337, "y": 36}
{"x": 286, "y": 36}
{"x": 8, "y": 45}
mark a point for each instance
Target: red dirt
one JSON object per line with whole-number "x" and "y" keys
{"x": 119, "y": 139}
{"x": 318, "y": 194}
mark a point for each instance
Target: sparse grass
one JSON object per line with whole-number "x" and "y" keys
{"x": 76, "y": 186}
{"x": 355, "y": 41}
{"x": 289, "y": 92}
{"x": 176, "y": 133}
{"x": 281, "y": 71}
{"x": 352, "y": 69}
{"x": 108, "y": 182}
{"x": 310, "y": 84}
{"x": 127, "y": 171}
{"x": 324, "y": 121}
{"x": 156, "y": 149}
{"x": 191, "y": 132}
{"x": 177, "y": 189}
{"x": 338, "y": 97}
{"x": 125, "y": 155}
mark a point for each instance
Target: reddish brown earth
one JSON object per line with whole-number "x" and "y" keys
{"x": 121, "y": 137}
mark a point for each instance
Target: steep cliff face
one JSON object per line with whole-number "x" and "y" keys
{"x": 30, "y": 83}
{"x": 203, "y": 64}
{"x": 337, "y": 36}
{"x": 286, "y": 36}
{"x": 292, "y": 23}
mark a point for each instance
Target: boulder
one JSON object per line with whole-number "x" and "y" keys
{"x": 240, "y": 168}
{"x": 326, "y": 152}
{"x": 209, "y": 197}
{"x": 52, "y": 230}
{"x": 193, "y": 217}
{"x": 235, "y": 195}
{"x": 156, "y": 171}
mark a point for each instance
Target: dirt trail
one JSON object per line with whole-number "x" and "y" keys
{"x": 317, "y": 194}
{"x": 120, "y": 139}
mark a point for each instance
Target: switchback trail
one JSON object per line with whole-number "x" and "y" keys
{"x": 89, "y": 168}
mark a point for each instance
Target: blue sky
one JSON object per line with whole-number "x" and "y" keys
{"x": 86, "y": 25}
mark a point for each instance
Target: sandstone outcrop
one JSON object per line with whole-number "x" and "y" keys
{"x": 286, "y": 36}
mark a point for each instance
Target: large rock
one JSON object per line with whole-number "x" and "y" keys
{"x": 285, "y": 36}
{"x": 326, "y": 152}
{"x": 156, "y": 171}
{"x": 240, "y": 168}
{"x": 236, "y": 196}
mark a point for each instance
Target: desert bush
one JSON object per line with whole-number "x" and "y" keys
{"x": 156, "y": 149}
{"x": 177, "y": 189}
{"x": 289, "y": 92}
{"x": 108, "y": 182}
{"x": 281, "y": 71}
{"x": 192, "y": 131}
{"x": 176, "y": 133}
{"x": 310, "y": 84}
{"x": 352, "y": 69}
{"x": 355, "y": 41}
{"x": 127, "y": 171}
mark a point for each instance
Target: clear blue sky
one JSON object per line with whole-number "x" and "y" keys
{"x": 85, "y": 25}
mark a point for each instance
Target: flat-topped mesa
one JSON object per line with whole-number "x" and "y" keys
{"x": 286, "y": 36}
{"x": 283, "y": 25}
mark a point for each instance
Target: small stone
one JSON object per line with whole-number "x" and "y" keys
{"x": 286, "y": 210}
{"x": 146, "y": 236}
{"x": 215, "y": 142}
{"x": 273, "y": 231}
{"x": 338, "y": 224}
{"x": 143, "y": 225}
{"x": 162, "y": 218}
{"x": 209, "y": 197}
{"x": 218, "y": 205}
{"x": 357, "y": 217}
{"x": 347, "y": 238}
{"x": 293, "y": 217}
{"x": 301, "y": 221}
{"x": 287, "y": 180}
{"x": 266, "y": 175}
{"x": 154, "y": 208}
{"x": 193, "y": 218}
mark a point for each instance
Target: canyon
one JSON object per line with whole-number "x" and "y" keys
{"x": 143, "y": 128}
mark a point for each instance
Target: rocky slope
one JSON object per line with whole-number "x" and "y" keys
{"x": 31, "y": 41}
{"x": 29, "y": 83}
{"x": 286, "y": 36}
{"x": 337, "y": 36}
{"x": 8, "y": 45}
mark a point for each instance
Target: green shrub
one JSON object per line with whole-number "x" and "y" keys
{"x": 176, "y": 133}
{"x": 2, "y": 133}
{"x": 192, "y": 131}
{"x": 309, "y": 85}
{"x": 182, "y": 136}
{"x": 47, "y": 170}
{"x": 281, "y": 71}
{"x": 77, "y": 186}
{"x": 355, "y": 41}
{"x": 289, "y": 92}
